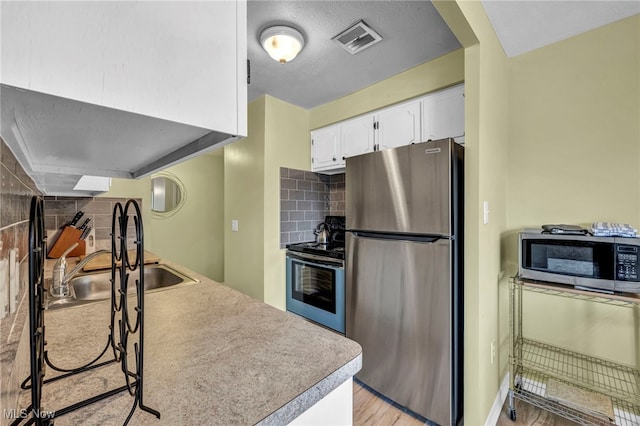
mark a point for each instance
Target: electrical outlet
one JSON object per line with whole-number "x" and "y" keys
{"x": 16, "y": 277}
{"x": 13, "y": 280}
{"x": 4, "y": 287}
{"x": 493, "y": 352}
{"x": 234, "y": 225}
{"x": 90, "y": 242}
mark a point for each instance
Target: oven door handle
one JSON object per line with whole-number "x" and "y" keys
{"x": 337, "y": 263}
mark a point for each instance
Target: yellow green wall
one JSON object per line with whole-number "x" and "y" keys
{"x": 486, "y": 139}
{"x": 278, "y": 137}
{"x": 194, "y": 235}
{"x": 574, "y": 157}
{"x": 548, "y": 135}
{"x": 433, "y": 75}
{"x": 287, "y": 141}
{"x": 244, "y": 202}
{"x": 574, "y": 125}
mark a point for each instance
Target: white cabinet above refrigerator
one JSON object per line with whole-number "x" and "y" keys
{"x": 443, "y": 115}
{"x": 438, "y": 115}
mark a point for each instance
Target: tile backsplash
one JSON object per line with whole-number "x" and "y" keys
{"x": 16, "y": 191}
{"x": 305, "y": 199}
{"x": 58, "y": 211}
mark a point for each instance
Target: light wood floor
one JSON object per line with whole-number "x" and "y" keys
{"x": 369, "y": 410}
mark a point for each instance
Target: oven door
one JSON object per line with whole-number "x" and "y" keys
{"x": 315, "y": 290}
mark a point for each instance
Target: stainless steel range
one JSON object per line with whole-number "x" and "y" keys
{"x": 315, "y": 278}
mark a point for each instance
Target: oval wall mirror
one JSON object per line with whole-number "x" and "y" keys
{"x": 167, "y": 194}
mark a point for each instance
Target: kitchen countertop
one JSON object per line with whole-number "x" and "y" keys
{"x": 212, "y": 356}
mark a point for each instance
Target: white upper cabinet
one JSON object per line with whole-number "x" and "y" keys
{"x": 326, "y": 149}
{"x": 120, "y": 89}
{"x": 443, "y": 114}
{"x": 160, "y": 59}
{"x": 399, "y": 126}
{"x": 437, "y": 115}
{"x": 357, "y": 136}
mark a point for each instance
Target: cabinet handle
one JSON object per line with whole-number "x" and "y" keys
{"x": 334, "y": 158}
{"x": 344, "y": 158}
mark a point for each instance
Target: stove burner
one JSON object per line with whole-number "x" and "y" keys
{"x": 334, "y": 250}
{"x": 317, "y": 245}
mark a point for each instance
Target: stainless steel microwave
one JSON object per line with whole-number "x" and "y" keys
{"x": 600, "y": 263}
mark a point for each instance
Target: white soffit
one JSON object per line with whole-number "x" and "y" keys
{"x": 522, "y": 26}
{"x": 50, "y": 134}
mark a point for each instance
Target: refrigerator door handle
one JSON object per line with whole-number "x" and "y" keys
{"x": 416, "y": 238}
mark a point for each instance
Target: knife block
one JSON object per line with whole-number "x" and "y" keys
{"x": 66, "y": 239}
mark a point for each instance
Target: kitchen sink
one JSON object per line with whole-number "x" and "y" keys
{"x": 97, "y": 286}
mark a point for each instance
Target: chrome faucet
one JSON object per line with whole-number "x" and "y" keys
{"x": 60, "y": 282}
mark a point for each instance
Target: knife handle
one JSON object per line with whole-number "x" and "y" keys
{"x": 84, "y": 224}
{"x": 76, "y": 218}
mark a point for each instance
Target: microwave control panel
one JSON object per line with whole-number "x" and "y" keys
{"x": 626, "y": 263}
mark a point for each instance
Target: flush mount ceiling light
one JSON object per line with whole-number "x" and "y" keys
{"x": 282, "y": 43}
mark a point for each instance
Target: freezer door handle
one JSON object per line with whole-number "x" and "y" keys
{"x": 416, "y": 238}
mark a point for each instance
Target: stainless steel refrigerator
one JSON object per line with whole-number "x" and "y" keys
{"x": 404, "y": 275}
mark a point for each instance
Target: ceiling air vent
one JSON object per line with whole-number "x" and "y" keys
{"x": 357, "y": 37}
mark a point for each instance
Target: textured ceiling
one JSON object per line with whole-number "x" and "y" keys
{"x": 523, "y": 26}
{"x": 413, "y": 33}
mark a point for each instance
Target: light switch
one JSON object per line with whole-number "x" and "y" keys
{"x": 234, "y": 225}
{"x": 485, "y": 209}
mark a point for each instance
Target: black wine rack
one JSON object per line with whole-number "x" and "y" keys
{"x": 126, "y": 330}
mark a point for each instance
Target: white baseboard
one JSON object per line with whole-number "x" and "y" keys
{"x": 496, "y": 409}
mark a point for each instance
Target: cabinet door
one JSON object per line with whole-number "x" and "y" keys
{"x": 399, "y": 126}
{"x": 357, "y": 136}
{"x": 325, "y": 148}
{"x": 91, "y": 54}
{"x": 444, "y": 114}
